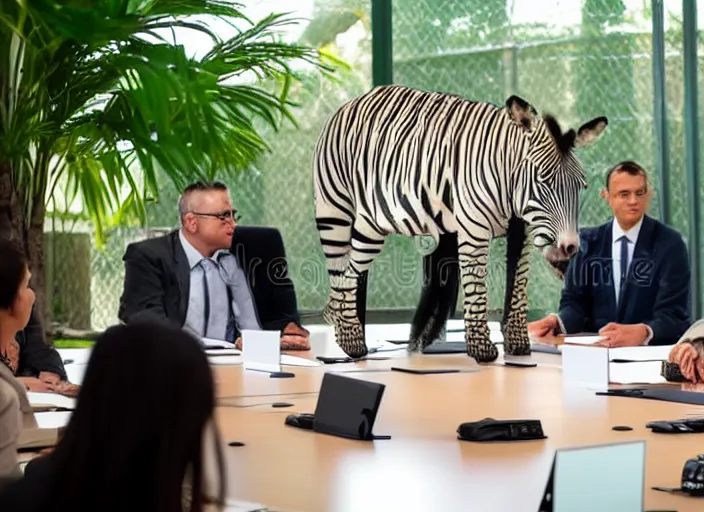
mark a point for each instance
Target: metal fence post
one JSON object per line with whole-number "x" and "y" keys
{"x": 662, "y": 147}
{"x": 382, "y": 36}
{"x": 691, "y": 131}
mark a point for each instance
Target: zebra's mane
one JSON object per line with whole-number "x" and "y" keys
{"x": 564, "y": 141}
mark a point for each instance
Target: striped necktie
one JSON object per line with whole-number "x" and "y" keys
{"x": 231, "y": 331}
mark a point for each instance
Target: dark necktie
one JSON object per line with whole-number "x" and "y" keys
{"x": 231, "y": 331}
{"x": 624, "y": 262}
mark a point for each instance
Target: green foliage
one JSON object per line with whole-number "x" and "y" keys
{"x": 96, "y": 100}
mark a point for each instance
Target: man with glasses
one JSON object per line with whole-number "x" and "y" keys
{"x": 630, "y": 280}
{"x": 210, "y": 278}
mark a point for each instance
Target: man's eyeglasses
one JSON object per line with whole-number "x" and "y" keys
{"x": 225, "y": 216}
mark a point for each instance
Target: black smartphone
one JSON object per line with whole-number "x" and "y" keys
{"x": 521, "y": 364}
{"x": 418, "y": 371}
{"x": 333, "y": 360}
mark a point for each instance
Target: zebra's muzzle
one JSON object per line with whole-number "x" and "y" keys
{"x": 559, "y": 267}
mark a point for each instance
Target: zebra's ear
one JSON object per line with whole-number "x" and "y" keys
{"x": 590, "y": 132}
{"x": 521, "y": 111}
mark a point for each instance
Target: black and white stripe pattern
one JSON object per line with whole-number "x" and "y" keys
{"x": 403, "y": 161}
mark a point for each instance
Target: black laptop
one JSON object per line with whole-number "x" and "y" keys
{"x": 347, "y": 407}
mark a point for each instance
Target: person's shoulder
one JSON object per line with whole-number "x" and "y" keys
{"x": 152, "y": 246}
{"x": 9, "y": 401}
{"x": 590, "y": 235}
{"x": 667, "y": 235}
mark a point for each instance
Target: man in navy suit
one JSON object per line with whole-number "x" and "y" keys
{"x": 630, "y": 279}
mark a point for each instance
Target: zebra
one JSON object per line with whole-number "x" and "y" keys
{"x": 400, "y": 160}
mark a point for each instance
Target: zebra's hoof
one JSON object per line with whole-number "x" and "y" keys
{"x": 414, "y": 345}
{"x": 518, "y": 349}
{"x": 350, "y": 338}
{"x": 517, "y": 342}
{"x": 482, "y": 352}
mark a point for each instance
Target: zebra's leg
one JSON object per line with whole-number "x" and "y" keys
{"x": 367, "y": 243}
{"x": 516, "y": 341}
{"x": 474, "y": 258}
{"x": 335, "y": 231}
{"x": 439, "y": 293}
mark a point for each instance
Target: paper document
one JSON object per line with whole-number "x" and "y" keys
{"x": 583, "y": 339}
{"x": 289, "y": 360}
{"x": 636, "y": 373}
{"x": 225, "y": 360}
{"x": 285, "y": 360}
{"x": 210, "y": 342}
{"x": 642, "y": 353}
{"x": 222, "y": 352}
{"x": 53, "y": 419}
{"x": 385, "y": 346}
{"x": 43, "y": 400}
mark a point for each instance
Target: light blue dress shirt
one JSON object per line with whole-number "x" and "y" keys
{"x": 222, "y": 271}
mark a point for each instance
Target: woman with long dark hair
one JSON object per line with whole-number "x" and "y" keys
{"x": 140, "y": 435}
{"x": 16, "y": 302}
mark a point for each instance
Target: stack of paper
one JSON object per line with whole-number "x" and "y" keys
{"x": 636, "y": 373}
{"x": 583, "y": 339}
{"x": 213, "y": 343}
{"x": 50, "y": 401}
{"x": 643, "y": 353}
{"x": 52, "y": 419}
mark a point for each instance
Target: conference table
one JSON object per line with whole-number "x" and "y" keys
{"x": 424, "y": 467}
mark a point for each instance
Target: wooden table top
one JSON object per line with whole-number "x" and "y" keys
{"x": 424, "y": 467}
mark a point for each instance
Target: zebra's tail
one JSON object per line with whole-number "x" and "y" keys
{"x": 438, "y": 298}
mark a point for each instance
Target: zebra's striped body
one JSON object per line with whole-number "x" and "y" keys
{"x": 402, "y": 161}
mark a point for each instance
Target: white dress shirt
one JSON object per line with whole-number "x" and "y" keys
{"x": 616, "y": 233}
{"x": 242, "y": 301}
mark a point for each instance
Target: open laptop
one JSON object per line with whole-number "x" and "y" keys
{"x": 347, "y": 407}
{"x": 604, "y": 478}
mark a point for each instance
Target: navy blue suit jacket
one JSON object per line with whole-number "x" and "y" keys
{"x": 656, "y": 292}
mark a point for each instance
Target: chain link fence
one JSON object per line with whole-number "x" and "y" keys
{"x": 576, "y": 60}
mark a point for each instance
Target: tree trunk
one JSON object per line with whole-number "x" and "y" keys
{"x": 28, "y": 235}
{"x": 11, "y": 221}
{"x": 34, "y": 249}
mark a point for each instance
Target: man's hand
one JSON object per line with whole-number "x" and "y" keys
{"x": 61, "y": 387}
{"x": 49, "y": 378}
{"x": 295, "y": 338}
{"x": 687, "y": 357}
{"x": 620, "y": 335}
{"x": 292, "y": 338}
{"x": 544, "y": 327}
{"x": 36, "y": 385}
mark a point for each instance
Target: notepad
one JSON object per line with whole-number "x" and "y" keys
{"x": 48, "y": 401}
{"x": 289, "y": 360}
{"x": 642, "y": 353}
{"x": 53, "y": 419}
{"x": 212, "y": 343}
{"x": 644, "y": 372}
{"x": 583, "y": 339}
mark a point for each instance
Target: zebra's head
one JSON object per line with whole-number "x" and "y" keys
{"x": 550, "y": 179}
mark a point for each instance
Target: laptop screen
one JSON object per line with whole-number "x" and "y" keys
{"x": 604, "y": 478}
{"x": 347, "y": 406}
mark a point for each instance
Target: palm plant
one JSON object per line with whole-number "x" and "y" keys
{"x": 96, "y": 98}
